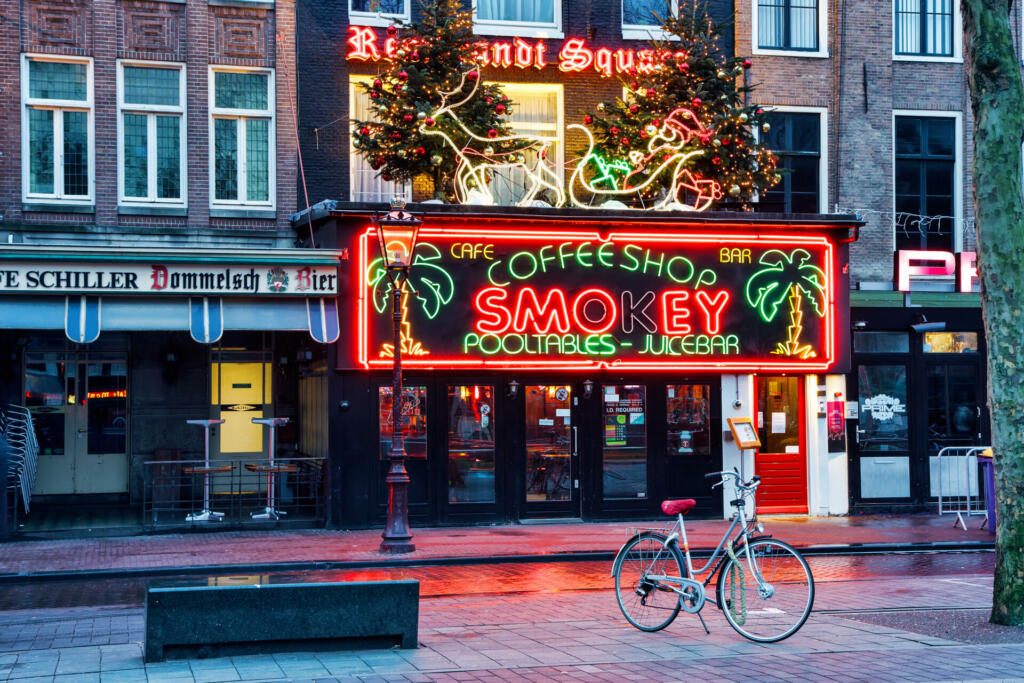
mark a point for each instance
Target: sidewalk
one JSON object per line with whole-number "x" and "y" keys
{"x": 277, "y": 549}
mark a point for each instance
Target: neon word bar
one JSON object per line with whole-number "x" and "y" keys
{"x": 116, "y": 393}
{"x": 931, "y": 263}
{"x": 365, "y": 45}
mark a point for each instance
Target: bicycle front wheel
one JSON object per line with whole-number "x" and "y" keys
{"x": 774, "y": 608}
{"x": 648, "y": 602}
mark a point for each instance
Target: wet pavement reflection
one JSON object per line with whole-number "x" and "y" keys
{"x": 453, "y": 580}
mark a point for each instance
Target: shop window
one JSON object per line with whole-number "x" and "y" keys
{"x": 548, "y": 443}
{"x": 787, "y": 25}
{"x": 365, "y": 184}
{"x": 151, "y": 132}
{"x": 883, "y": 431}
{"x": 242, "y": 138}
{"x": 926, "y": 161}
{"x": 688, "y": 418}
{"x": 624, "y": 463}
{"x": 57, "y": 130}
{"x": 950, "y": 342}
{"x": 414, "y": 420}
{"x": 642, "y": 19}
{"x": 795, "y": 139}
{"x": 925, "y": 28}
{"x": 377, "y": 12}
{"x": 536, "y": 111}
{"x": 470, "y": 444}
{"x": 534, "y": 18}
{"x": 881, "y": 342}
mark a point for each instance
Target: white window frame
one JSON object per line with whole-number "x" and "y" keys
{"x": 820, "y": 53}
{"x": 509, "y": 88}
{"x": 957, "y": 38}
{"x": 822, "y": 113}
{"x": 523, "y": 29}
{"x": 241, "y": 115}
{"x": 644, "y": 32}
{"x": 377, "y": 18}
{"x": 403, "y": 190}
{"x": 150, "y": 111}
{"x": 57, "y": 106}
{"x": 958, "y": 172}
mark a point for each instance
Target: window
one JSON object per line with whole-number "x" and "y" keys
{"x": 925, "y": 28}
{"x": 377, "y": 12}
{"x": 925, "y": 181}
{"x": 536, "y": 111}
{"x": 151, "y": 133}
{"x": 365, "y": 184}
{"x": 624, "y": 451}
{"x": 471, "y": 432}
{"x": 57, "y": 130}
{"x": 242, "y": 138}
{"x": 795, "y": 138}
{"x": 534, "y": 18}
{"x": 641, "y": 19}
{"x": 787, "y": 25}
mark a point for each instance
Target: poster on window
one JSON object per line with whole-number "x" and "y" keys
{"x": 836, "y": 427}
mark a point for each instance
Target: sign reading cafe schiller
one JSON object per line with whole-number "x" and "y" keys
{"x": 630, "y": 299}
{"x": 157, "y": 278}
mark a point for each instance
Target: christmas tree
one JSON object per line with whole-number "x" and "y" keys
{"x": 433, "y": 56}
{"x": 681, "y": 137}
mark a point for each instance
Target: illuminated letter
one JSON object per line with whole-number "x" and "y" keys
{"x": 603, "y": 61}
{"x": 674, "y": 312}
{"x": 968, "y": 270}
{"x": 390, "y": 48}
{"x": 362, "y": 43}
{"x": 490, "y": 278}
{"x": 524, "y": 53}
{"x": 905, "y": 270}
{"x": 575, "y": 56}
{"x": 623, "y": 60}
{"x": 637, "y": 311}
{"x": 512, "y": 262}
{"x": 540, "y": 57}
{"x": 583, "y": 256}
{"x": 562, "y": 254}
{"x": 530, "y": 311}
{"x": 608, "y": 311}
{"x": 496, "y": 316}
{"x": 645, "y": 61}
{"x": 543, "y": 260}
{"x": 648, "y": 262}
{"x": 501, "y": 55}
{"x": 689, "y": 264}
{"x": 482, "y": 52}
{"x": 712, "y": 309}
{"x": 634, "y": 259}
{"x": 603, "y": 258}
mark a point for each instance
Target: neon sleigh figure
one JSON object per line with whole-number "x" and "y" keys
{"x": 665, "y": 151}
{"x": 478, "y": 160}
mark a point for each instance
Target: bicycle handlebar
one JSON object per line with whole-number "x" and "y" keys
{"x": 748, "y": 486}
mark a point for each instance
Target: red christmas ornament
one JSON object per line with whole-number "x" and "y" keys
{"x": 650, "y": 92}
{"x": 492, "y": 133}
{"x": 656, "y": 122}
{"x": 396, "y": 136}
{"x": 488, "y": 100}
{"x": 421, "y": 151}
{"x": 716, "y": 161}
{"x": 624, "y": 140}
{"x": 684, "y": 67}
{"x": 666, "y": 157}
{"x": 634, "y": 85}
{"x": 429, "y": 121}
{"x": 473, "y": 75}
{"x": 747, "y": 64}
{"x": 364, "y": 131}
{"x": 386, "y": 176}
{"x": 374, "y": 94}
{"x": 634, "y": 108}
{"x": 407, "y": 118}
{"x": 392, "y": 30}
{"x": 498, "y": 109}
{"x": 415, "y": 56}
{"x": 403, "y": 76}
{"x": 697, "y": 101}
{"x": 614, "y": 130}
{"x": 760, "y": 111}
{"x": 725, "y": 141}
{"x": 588, "y": 119}
{"x": 632, "y": 71}
{"x": 377, "y": 83}
{"x": 643, "y": 134}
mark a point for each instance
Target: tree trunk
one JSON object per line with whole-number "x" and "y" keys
{"x": 997, "y": 99}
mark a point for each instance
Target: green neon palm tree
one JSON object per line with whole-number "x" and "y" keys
{"x": 787, "y": 276}
{"x": 427, "y": 280}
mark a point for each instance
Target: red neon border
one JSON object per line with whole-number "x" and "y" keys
{"x": 526, "y": 235}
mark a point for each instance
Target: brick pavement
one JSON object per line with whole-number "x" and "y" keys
{"x": 272, "y": 546}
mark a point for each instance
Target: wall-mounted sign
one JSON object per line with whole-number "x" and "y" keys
{"x": 365, "y": 45}
{"x": 504, "y": 296}
{"x": 914, "y": 263}
{"x": 154, "y": 278}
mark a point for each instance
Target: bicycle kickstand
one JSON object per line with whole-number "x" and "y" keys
{"x": 702, "y": 623}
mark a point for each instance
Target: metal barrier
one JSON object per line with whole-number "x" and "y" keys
{"x": 173, "y": 491}
{"x": 958, "y": 480}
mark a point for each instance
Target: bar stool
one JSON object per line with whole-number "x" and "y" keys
{"x": 206, "y": 515}
{"x": 271, "y": 469}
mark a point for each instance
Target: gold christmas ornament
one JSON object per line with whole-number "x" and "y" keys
{"x": 766, "y": 127}
{"x": 722, "y": 75}
{"x": 420, "y": 115}
{"x": 489, "y": 151}
{"x": 436, "y": 160}
{"x": 744, "y": 117}
{"x": 734, "y": 191}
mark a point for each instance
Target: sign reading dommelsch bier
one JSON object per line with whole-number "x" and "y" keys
{"x": 156, "y": 278}
{"x": 638, "y": 299}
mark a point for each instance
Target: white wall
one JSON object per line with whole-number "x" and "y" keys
{"x": 737, "y": 401}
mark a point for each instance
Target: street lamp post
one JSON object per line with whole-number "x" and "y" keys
{"x": 396, "y": 236}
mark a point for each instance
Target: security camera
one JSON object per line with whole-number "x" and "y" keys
{"x": 928, "y": 327}
{"x": 737, "y": 403}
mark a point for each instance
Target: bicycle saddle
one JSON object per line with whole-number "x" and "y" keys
{"x": 674, "y": 507}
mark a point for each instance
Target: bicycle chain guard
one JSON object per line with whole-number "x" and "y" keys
{"x": 692, "y": 596}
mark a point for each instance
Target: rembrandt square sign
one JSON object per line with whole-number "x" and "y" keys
{"x": 627, "y": 295}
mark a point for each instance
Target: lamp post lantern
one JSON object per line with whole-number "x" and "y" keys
{"x": 397, "y": 231}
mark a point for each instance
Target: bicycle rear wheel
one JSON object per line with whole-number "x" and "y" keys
{"x": 648, "y": 603}
{"x": 776, "y": 610}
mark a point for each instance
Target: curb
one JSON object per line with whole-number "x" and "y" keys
{"x": 388, "y": 563}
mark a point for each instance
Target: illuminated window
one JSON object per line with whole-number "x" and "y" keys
{"x": 377, "y": 12}
{"x": 950, "y": 342}
{"x": 527, "y": 18}
{"x": 925, "y": 182}
{"x": 787, "y": 25}
{"x": 365, "y": 184}
{"x": 795, "y": 138}
{"x": 151, "y": 133}
{"x": 925, "y": 27}
{"x": 57, "y": 130}
{"x": 642, "y": 19}
{"x": 536, "y": 111}
{"x": 242, "y": 138}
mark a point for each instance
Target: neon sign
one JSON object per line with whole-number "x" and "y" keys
{"x": 364, "y": 45}
{"x": 505, "y": 297}
{"x": 937, "y": 264}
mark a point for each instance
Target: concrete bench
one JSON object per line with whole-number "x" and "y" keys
{"x": 204, "y": 620}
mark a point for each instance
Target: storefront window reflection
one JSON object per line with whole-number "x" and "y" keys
{"x": 883, "y": 407}
{"x": 548, "y": 454}
{"x": 625, "y": 441}
{"x": 950, "y": 342}
{"x": 108, "y": 407}
{"x": 470, "y": 444}
{"x": 414, "y": 421}
{"x": 689, "y": 428}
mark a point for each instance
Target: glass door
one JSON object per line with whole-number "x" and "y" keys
{"x": 689, "y": 454}
{"x": 51, "y": 388}
{"x": 101, "y": 463}
{"x": 552, "y": 450}
{"x": 470, "y": 446}
{"x": 624, "y": 442}
{"x": 782, "y": 460}
{"x": 881, "y": 447}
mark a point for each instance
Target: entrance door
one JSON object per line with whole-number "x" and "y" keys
{"x": 552, "y": 483}
{"x": 882, "y": 471}
{"x": 240, "y": 391}
{"x": 782, "y": 460}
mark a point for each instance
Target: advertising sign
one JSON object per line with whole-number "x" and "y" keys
{"x": 577, "y": 299}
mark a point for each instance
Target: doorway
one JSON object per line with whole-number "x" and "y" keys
{"x": 781, "y": 461}
{"x": 552, "y": 458}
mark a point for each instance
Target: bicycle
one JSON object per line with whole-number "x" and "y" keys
{"x": 764, "y": 588}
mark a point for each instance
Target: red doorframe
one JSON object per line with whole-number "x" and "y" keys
{"x": 783, "y": 475}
